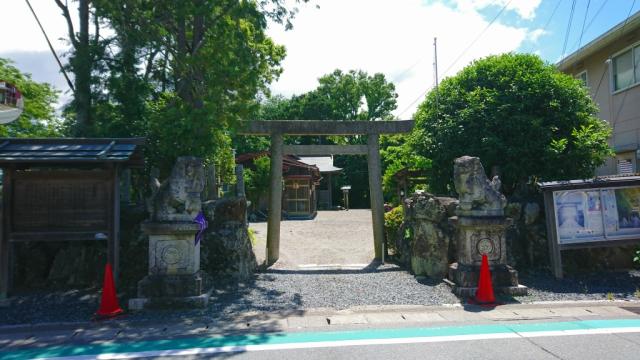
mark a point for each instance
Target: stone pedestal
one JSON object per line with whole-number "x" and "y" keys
{"x": 476, "y": 236}
{"x": 174, "y": 278}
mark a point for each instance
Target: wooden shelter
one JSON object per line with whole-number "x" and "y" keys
{"x": 299, "y": 197}
{"x": 62, "y": 189}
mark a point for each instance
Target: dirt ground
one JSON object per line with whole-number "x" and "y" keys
{"x": 332, "y": 239}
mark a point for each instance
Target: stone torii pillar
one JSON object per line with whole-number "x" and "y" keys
{"x": 275, "y": 200}
{"x": 375, "y": 191}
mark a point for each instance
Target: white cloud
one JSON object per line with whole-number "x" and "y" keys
{"x": 394, "y": 38}
{"x": 526, "y": 9}
{"x": 25, "y": 34}
{"x": 535, "y": 34}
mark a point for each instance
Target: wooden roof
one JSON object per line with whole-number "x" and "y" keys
{"x": 597, "y": 182}
{"x": 52, "y": 151}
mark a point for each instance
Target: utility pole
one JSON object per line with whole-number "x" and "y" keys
{"x": 435, "y": 67}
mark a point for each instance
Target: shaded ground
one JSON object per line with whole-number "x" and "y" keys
{"x": 295, "y": 291}
{"x": 335, "y": 238}
{"x": 332, "y": 238}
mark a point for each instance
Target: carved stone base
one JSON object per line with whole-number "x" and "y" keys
{"x": 165, "y": 291}
{"x": 174, "y": 278}
{"x": 170, "y": 285}
{"x": 464, "y": 280}
{"x": 188, "y": 302}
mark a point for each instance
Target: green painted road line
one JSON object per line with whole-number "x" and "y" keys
{"x": 240, "y": 342}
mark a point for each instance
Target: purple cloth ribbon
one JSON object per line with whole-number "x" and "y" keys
{"x": 203, "y": 224}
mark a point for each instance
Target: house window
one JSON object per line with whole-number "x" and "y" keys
{"x": 625, "y": 166}
{"x": 623, "y": 69}
{"x": 583, "y": 77}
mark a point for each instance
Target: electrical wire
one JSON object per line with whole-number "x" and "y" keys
{"x": 586, "y": 28}
{"x": 586, "y": 12}
{"x": 51, "y": 48}
{"x": 461, "y": 55}
{"x": 566, "y": 34}
{"x": 546, "y": 25}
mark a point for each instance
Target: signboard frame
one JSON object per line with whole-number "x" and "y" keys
{"x": 598, "y": 184}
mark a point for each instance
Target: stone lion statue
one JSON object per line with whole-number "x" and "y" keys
{"x": 178, "y": 197}
{"x": 478, "y": 195}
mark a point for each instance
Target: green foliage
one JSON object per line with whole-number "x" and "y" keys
{"x": 252, "y": 236}
{"x": 256, "y": 180}
{"x": 397, "y": 155}
{"x": 516, "y": 113}
{"x": 38, "y": 117}
{"x": 392, "y": 222}
{"x": 180, "y": 73}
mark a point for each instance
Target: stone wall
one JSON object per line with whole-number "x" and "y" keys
{"x": 428, "y": 251}
{"x": 226, "y": 252}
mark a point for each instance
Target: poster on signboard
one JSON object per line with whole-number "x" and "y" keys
{"x": 578, "y": 216}
{"x": 627, "y": 213}
{"x": 597, "y": 214}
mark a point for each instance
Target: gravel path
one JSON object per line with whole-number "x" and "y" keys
{"x": 596, "y": 286}
{"x": 332, "y": 237}
{"x": 293, "y": 291}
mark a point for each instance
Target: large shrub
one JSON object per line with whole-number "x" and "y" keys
{"x": 392, "y": 222}
{"x": 516, "y": 113}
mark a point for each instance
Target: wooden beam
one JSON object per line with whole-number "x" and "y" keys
{"x": 324, "y": 127}
{"x": 325, "y": 150}
{"x": 4, "y": 241}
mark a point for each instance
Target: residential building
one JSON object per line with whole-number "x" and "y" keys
{"x": 610, "y": 68}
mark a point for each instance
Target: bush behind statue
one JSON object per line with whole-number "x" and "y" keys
{"x": 519, "y": 115}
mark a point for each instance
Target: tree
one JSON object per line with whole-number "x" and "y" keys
{"x": 396, "y": 155}
{"x": 81, "y": 62}
{"x": 38, "y": 117}
{"x": 522, "y": 117}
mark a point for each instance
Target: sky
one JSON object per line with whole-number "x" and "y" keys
{"x": 378, "y": 36}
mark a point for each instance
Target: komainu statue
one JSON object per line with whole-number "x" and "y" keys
{"x": 478, "y": 195}
{"x": 178, "y": 197}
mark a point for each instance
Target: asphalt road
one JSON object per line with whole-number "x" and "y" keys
{"x": 585, "y": 347}
{"x": 601, "y": 338}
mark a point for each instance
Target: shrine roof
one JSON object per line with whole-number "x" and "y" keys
{"x": 52, "y": 151}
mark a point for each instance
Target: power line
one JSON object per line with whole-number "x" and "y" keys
{"x": 586, "y": 12}
{"x": 546, "y": 25}
{"x": 566, "y": 35}
{"x": 478, "y": 37}
{"x": 460, "y": 56}
{"x": 51, "y": 48}
{"x": 594, "y": 16}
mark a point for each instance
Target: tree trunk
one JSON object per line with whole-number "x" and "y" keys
{"x": 82, "y": 69}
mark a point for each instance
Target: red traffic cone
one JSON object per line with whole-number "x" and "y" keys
{"x": 109, "y": 303}
{"x": 484, "y": 294}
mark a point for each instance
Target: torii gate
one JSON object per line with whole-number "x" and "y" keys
{"x": 276, "y": 129}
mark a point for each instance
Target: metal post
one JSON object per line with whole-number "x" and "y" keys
{"x": 375, "y": 191}
{"x": 275, "y": 200}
